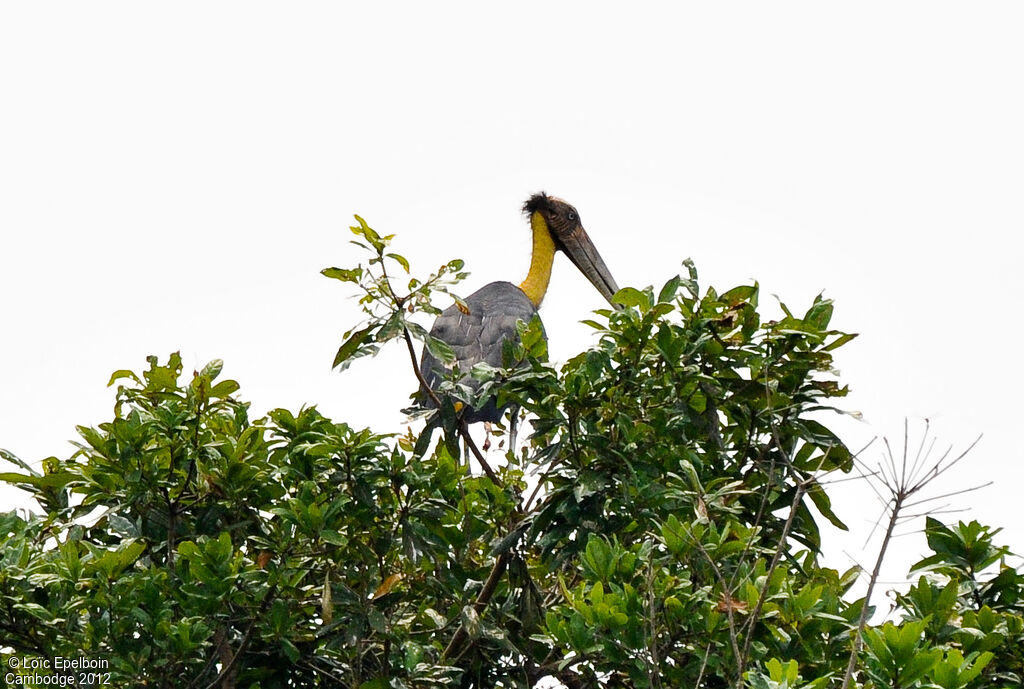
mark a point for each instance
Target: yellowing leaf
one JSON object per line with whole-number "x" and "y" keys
{"x": 326, "y": 601}
{"x": 388, "y": 584}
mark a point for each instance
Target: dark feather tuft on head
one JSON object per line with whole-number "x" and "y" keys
{"x": 538, "y": 202}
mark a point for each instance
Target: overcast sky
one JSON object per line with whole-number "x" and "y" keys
{"x": 174, "y": 176}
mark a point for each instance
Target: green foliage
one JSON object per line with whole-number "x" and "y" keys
{"x": 779, "y": 675}
{"x": 974, "y": 616}
{"x": 293, "y": 542}
{"x": 897, "y": 655}
{"x": 386, "y": 310}
{"x": 673, "y": 540}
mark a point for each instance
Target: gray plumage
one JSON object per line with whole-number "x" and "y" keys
{"x": 477, "y": 336}
{"x": 495, "y": 309}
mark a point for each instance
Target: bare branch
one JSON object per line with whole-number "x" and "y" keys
{"x": 902, "y": 482}
{"x": 950, "y": 494}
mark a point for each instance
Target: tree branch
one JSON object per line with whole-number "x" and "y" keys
{"x": 462, "y": 426}
{"x": 490, "y": 586}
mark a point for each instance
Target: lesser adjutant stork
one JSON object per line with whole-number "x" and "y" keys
{"x": 495, "y": 308}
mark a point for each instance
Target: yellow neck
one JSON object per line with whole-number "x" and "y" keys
{"x": 536, "y": 282}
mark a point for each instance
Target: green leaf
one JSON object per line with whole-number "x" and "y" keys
{"x": 587, "y": 483}
{"x": 630, "y": 296}
{"x": 121, "y": 525}
{"x": 823, "y": 503}
{"x": 672, "y": 535}
{"x": 919, "y": 665}
{"x": 37, "y": 611}
{"x": 597, "y": 557}
{"x": 393, "y": 327}
{"x": 343, "y": 274}
{"x": 401, "y": 260}
{"x": 740, "y": 295}
{"x": 436, "y": 618}
{"x": 510, "y": 540}
{"x": 212, "y": 369}
{"x": 58, "y": 480}
{"x": 439, "y": 349}
{"x": 351, "y": 345}
{"x": 112, "y": 562}
{"x": 224, "y": 389}
{"x": 123, "y": 373}
{"x": 819, "y": 314}
{"x": 364, "y": 231}
{"x": 668, "y": 291}
{"x": 333, "y": 537}
{"x": 290, "y": 650}
{"x": 376, "y": 620}
{"x": 14, "y": 459}
{"x": 838, "y": 342}
{"x": 188, "y": 550}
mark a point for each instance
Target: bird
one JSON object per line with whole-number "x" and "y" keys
{"x": 476, "y": 333}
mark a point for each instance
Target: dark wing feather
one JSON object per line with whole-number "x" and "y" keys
{"x": 477, "y": 336}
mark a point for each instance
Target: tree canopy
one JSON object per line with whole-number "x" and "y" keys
{"x": 658, "y": 526}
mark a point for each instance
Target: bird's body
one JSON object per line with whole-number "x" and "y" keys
{"x": 477, "y": 337}
{"x": 494, "y": 309}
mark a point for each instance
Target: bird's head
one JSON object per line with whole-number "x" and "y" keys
{"x": 563, "y": 223}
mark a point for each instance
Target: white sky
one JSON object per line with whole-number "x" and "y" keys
{"x": 175, "y": 176}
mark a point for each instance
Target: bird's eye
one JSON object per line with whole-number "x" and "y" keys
{"x": 572, "y": 215}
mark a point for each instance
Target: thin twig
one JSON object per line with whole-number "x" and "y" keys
{"x": 703, "y": 664}
{"x": 801, "y": 489}
{"x": 653, "y": 664}
{"x": 726, "y": 591}
{"x": 462, "y": 427}
{"x": 949, "y": 495}
{"x": 490, "y": 586}
{"x": 862, "y": 622}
